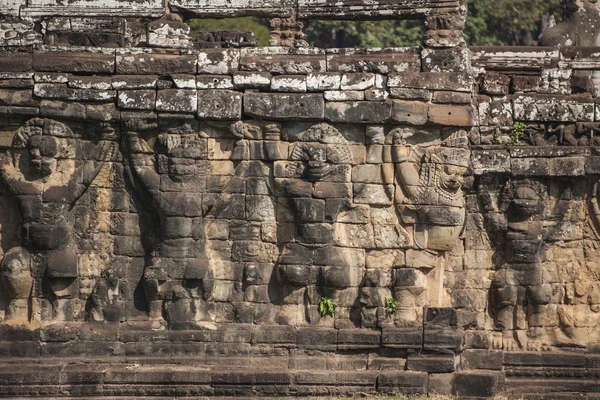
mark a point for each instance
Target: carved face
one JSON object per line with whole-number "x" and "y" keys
{"x": 42, "y": 152}
{"x": 451, "y": 177}
{"x": 181, "y": 169}
{"x": 526, "y": 202}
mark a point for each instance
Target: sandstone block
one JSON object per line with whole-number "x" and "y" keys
{"x": 176, "y": 100}
{"x": 453, "y": 81}
{"x": 16, "y": 62}
{"x": 282, "y": 64}
{"x": 218, "y": 61}
{"x": 74, "y": 62}
{"x": 358, "y": 112}
{"x": 214, "y": 82}
{"x": 288, "y": 83}
{"x": 219, "y": 104}
{"x": 382, "y": 62}
{"x": 252, "y": 80}
{"x": 62, "y": 109}
{"x": 284, "y": 106}
{"x": 344, "y": 95}
{"x": 450, "y": 115}
{"x": 318, "y": 82}
{"x": 160, "y": 64}
{"x": 495, "y": 84}
{"x": 410, "y": 112}
{"x": 134, "y": 82}
{"x": 136, "y": 99}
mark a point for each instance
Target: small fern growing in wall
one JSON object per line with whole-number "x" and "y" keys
{"x": 326, "y": 307}
{"x": 517, "y": 134}
{"x": 391, "y": 305}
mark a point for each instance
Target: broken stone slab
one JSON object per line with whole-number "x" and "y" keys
{"x": 168, "y": 33}
{"x": 284, "y": 106}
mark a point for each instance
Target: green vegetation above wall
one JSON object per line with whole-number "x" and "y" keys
{"x": 501, "y": 22}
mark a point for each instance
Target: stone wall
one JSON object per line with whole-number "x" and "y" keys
{"x": 193, "y": 215}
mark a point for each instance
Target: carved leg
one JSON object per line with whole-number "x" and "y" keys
{"x": 153, "y": 282}
{"x": 539, "y": 297}
{"x": 505, "y": 300}
{"x": 17, "y": 284}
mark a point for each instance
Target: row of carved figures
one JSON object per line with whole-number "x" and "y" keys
{"x": 425, "y": 183}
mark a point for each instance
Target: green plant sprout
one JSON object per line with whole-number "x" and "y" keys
{"x": 496, "y": 138}
{"x": 517, "y": 134}
{"x": 326, "y": 307}
{"x": 391, "y": 305}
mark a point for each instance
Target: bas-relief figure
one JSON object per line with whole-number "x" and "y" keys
{"x": 524, "y": 221}
{"x": 177, "y": 279}
{"x": 42, "y": 173}
{"x": 431, "y": 203}
{"x": 317, "y": 187}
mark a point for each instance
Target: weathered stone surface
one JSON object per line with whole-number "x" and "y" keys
{"x": 334, "y": 221}
{"x": 161, "y": 64}
{"x": 176, "y": 100}
{"x": 74, "y": 62}
{"x": 284, "y": 106}
{"x": 219, "y": 104}
{"x": 361, "y": 112}
{"x": 431, "y": 80}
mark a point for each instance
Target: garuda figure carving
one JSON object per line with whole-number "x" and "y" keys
{"x": 523, "y": 223}
{"x": 177, "y": 280}
{"x": 430, "y": 199}
{"x": 310, "y": 263}
{"x": 41, "y": 173}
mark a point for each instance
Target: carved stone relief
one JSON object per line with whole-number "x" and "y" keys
{"x": 177, "y": 281}
{"x": 42, "y": 174}
{"x": 431, "y": 203}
